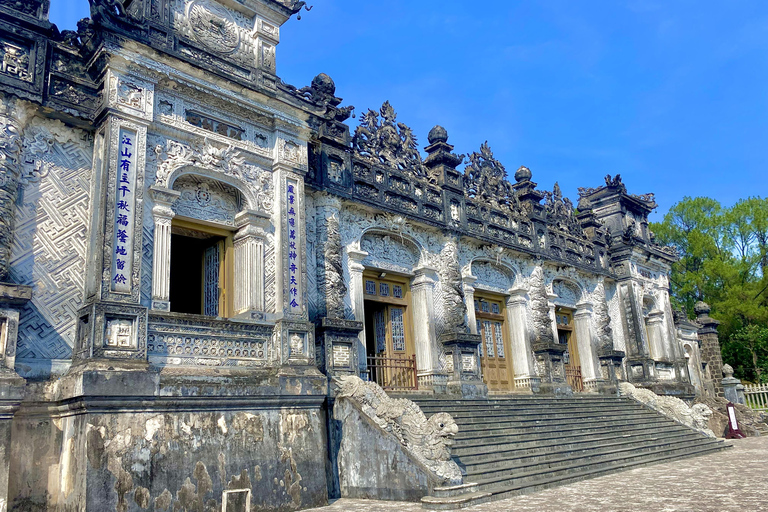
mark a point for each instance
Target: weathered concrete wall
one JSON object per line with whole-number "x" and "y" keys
{"x": 220, "y": 440}
{"x": 372, "y": 463}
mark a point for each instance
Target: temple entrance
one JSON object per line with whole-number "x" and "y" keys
{"x": 566, "y": 335}
{"x": 495, "y": 357}
{"x": 199, "y": 269}
{"x": 389, "y": 346}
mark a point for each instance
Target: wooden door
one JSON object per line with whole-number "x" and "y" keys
{"x": 495, "y": 360}
{"x": 389, "y": 346}
{"x": 567, "y": 335}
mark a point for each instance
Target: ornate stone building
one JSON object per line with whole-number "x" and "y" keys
{"x": 190, "y": 247}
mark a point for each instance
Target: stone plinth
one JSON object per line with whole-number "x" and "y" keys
{"x": 551, "y": 368}
{"x": 465, "y": 379}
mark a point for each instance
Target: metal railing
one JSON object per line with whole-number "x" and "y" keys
{"x": 573, "y": 377}
{"x": 395, "y": 373}
{"x": 756, "y": 396}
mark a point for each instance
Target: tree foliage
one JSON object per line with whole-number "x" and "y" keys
{"x": 724, "y": 262}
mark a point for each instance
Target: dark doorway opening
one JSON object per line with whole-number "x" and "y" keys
{"x": 194, "y": 286}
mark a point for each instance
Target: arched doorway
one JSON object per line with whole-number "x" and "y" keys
{"x": 387, "y": 312}
{"x": 202, "y": 248}
{"x": 487, "y": 297}
{"x": 495, "y": 354}
{"x": 567, "y": 295}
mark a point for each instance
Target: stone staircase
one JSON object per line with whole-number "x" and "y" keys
{"x": 517, "y": 445}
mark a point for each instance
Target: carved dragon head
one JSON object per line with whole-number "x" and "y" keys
{"x": 444, "y": 427}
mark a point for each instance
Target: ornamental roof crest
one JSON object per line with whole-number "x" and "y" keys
{"x": 485, "y": 179}
{"x": 380, "y": 138}
{"x": 560, "y": 212}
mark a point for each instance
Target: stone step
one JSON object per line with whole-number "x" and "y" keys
{"x": 496, "y": 440}
{"x": 469, "y": 417}
{"x": 492, "y": 453}
{"x": 515, "y": 465}
{"x": 584, "y": 422}
{"x": 568, "y": 466}
{"x": 507, "y": 491}
{"x": 516, "y": 445}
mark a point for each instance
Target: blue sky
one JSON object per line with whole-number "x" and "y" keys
{"x": 673, "y": 95}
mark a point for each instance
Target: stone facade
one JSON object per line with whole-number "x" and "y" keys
{"x": 156, "y": 147}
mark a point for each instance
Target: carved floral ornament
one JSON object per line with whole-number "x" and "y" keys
{"x": 485, "y": 179}
{"x": 173, "y": 156}
{"x": 381, "y": 139}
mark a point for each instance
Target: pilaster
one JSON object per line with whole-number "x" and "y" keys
{"x": 249, "y": 263}
{"x": 357, "y": 293}
{"x": 163, "y": 215}
{"x": 517, "y": 329}
{"x": 587, "y": 354}
{"x": 425, "y": 339}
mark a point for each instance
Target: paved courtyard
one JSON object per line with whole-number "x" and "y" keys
{"x": 732, "y": 481}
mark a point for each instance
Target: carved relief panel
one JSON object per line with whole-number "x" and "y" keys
{"x": 130, "y": 95}
{"x": 208, "y": 200}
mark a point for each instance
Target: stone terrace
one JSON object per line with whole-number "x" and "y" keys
{"x": 731, "y": 481}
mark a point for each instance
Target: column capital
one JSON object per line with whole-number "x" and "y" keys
{"x": 468, "y": 282}
{"x": 583, "y": 309}
{"x": 517, "y": 296}
{"x": 251, "y": 223}
{"x": 655, "y": 317}
{"x": 425, "y": 274}
{"x": 163, "y": 196}
{"x": 356, "y": 257}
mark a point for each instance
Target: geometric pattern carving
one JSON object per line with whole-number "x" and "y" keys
{"x": 177, "y": 341}
{"x": 49, "y": 249}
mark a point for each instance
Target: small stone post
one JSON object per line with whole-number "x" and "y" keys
{"x": 731, "y": 386}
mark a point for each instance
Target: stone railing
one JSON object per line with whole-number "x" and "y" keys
{"x": 175, "y": 339}
{"x": 696, "y": 417}
{"x": 428, "y": 440}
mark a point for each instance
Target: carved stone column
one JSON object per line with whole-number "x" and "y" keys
{"x": 460, "y": 344}
{"x": 356, "y": 291}
{"x": 161, "y": 254}
{"x": 654, "y": 324}
{"x": 337, "y": 339}
{"x": 469, "y": 300}
{"x": 587, "y": 356}
{"x": 425, "y": 340}
{"x": 519, "y": 338}
{"x": 548, "y": 353}
{"x": 10, "y": 170}
{"x": 249, "y": 264}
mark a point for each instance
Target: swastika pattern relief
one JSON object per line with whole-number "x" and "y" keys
{"x": 50, "y": 239}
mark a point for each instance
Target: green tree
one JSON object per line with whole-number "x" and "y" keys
{"x": 723, "y": 261}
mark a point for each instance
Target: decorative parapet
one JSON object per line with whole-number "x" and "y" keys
{"x": 428, "y": 440}
{"x": 696, "y": 417}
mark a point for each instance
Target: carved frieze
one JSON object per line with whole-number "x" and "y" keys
{"x": 15, "y": 59}
{"x": 207, "y": 200}
{"x": 228, "y": 161}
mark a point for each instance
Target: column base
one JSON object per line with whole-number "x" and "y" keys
{"x": 434, "y": 380}
{"x": 466, "y": 389}
{"x": 11, "y": 393}
{"x": 527, "y": 384}
{"x": 160, "y": 305}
